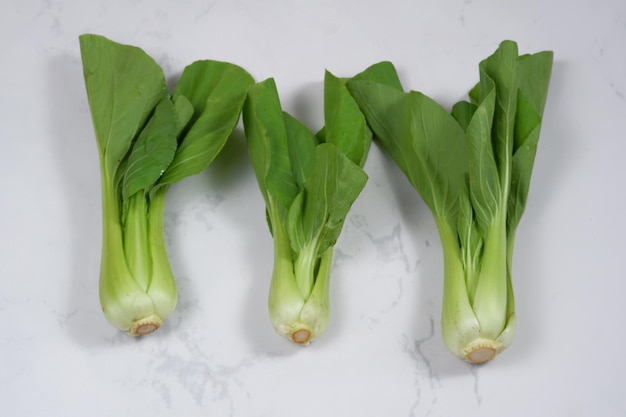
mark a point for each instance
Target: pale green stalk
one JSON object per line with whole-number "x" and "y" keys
{"x": 135, "y": 298}
{"x": 298, "y": 296}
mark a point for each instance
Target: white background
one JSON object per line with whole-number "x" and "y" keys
{"x": 382, "y": 354}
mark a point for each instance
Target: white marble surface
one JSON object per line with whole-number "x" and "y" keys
{"x": 382, "y": 354}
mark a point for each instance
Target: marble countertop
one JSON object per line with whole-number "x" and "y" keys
{"x": 382, "y": 354}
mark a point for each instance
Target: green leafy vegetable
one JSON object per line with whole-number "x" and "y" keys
{"x": 472, "y": 168}
{"x": 148, "y": 139}
{"x": 308, "y": 182}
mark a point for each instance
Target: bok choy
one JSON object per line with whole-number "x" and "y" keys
{"x": 308, "y": 182}
{"x": 148, "y": 139}
{"x": 472, "y": 168}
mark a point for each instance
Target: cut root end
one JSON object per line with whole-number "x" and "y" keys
{"x": 481, "y": 355}
{"x": 145, "y": 325}
{"x": 481, "y": 350}
{"x": 301, "y": 336}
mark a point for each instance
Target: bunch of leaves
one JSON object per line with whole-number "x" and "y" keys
{"x": 308, "y": 182}
{"x": 472, "y": 167}
{"x": 148, "y": 139}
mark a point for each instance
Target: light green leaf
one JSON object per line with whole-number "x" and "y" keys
{"x": 470, "y": 240}
{"x": 123, "y": 86}
{"x": 298, "y": 239}
{"x": 152, "y": 152}
{"x": 217, "y": 91}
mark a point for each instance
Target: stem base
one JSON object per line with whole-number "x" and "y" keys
{"x": 145, "y": 325}
{"x": 481, "y": 350}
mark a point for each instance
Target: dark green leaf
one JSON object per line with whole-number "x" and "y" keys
{"x": 301, "y": 145}
{"x": 123, "y": 86}
{"x": 501, "y": 68}
{"x": 268, "y": 145}
{"x": 528, "y": 128}
{"x": 534, "y": 76}
{"x": 345, "y": 127}
{"x": 184, "y": 112}
{"x": 474, "y": 94}
{"x": 383, "y": 108}
{"x": 152, "y": 152}
{"x": 484, "y": 185}
{"x": 333, "y": 186}
{"x": 463, "y": 112}
{"x": 217, "y": 91}
{"x": 382, "y": 73}
{"x": 424, "y": 140}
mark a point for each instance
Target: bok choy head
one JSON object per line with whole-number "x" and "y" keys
{"x": 472, "y": 168}
{"x": 309, "y": 183}
{"x": 148, "y": 139}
